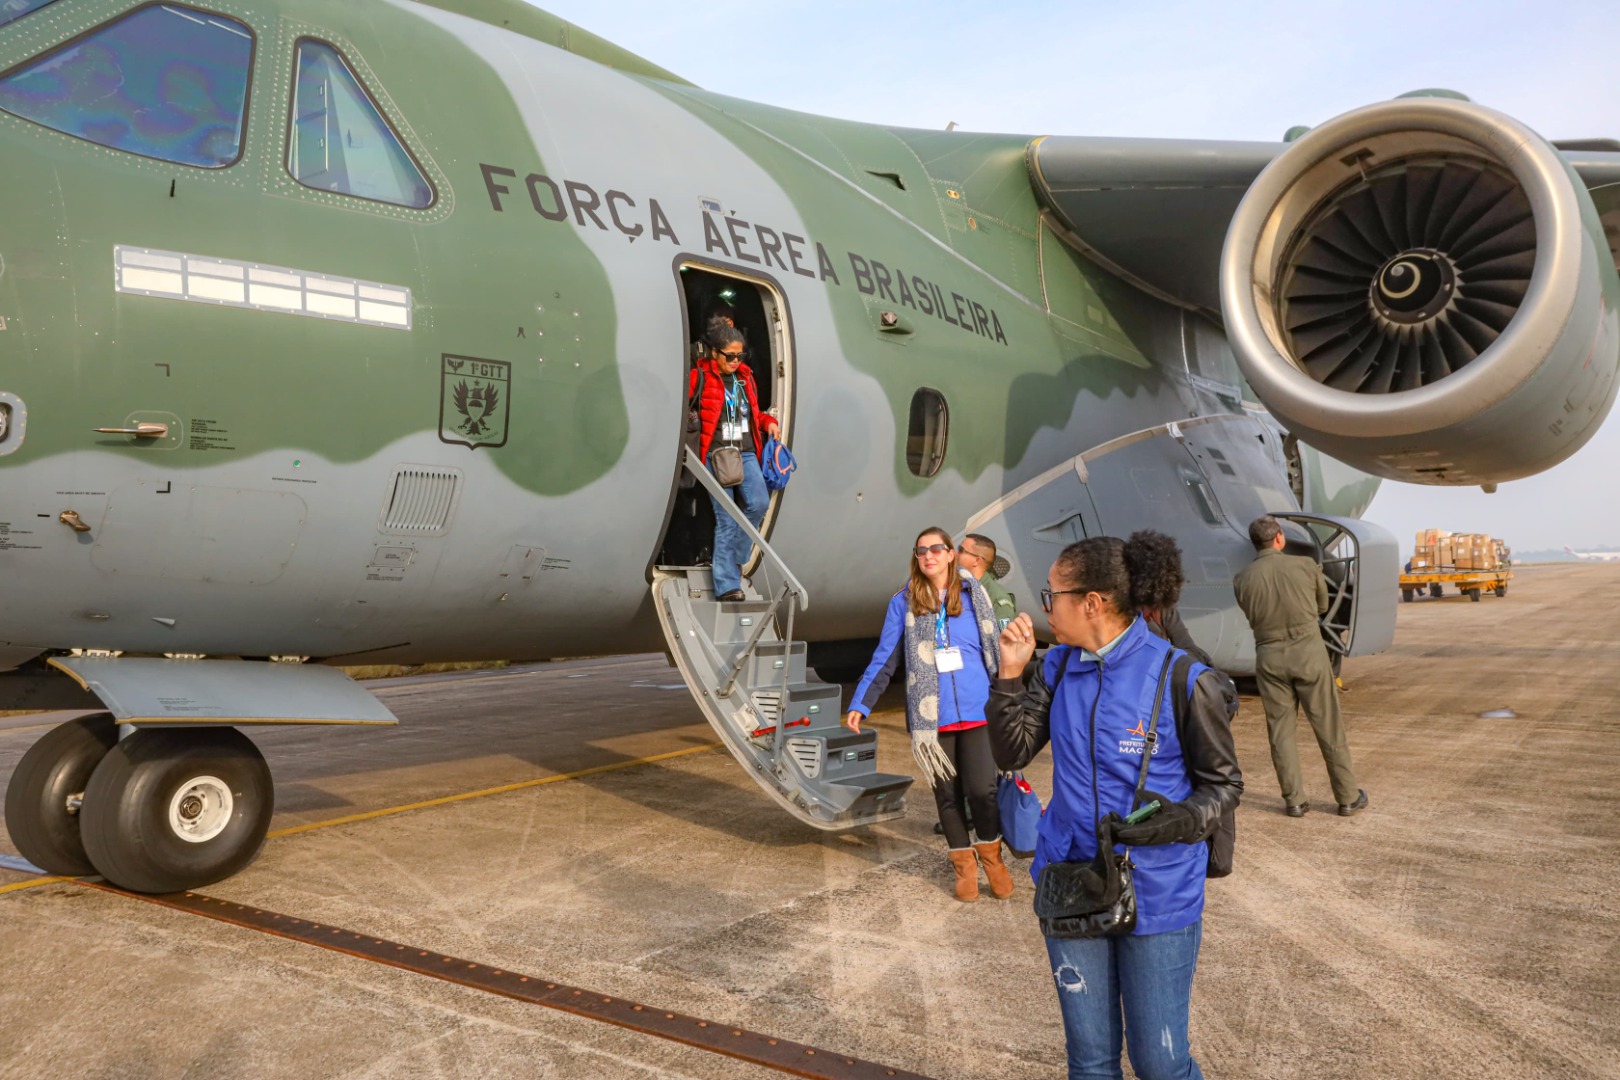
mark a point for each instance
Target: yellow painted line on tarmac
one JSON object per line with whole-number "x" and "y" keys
{"x": 595, "y": 770}
{"x": 33, "y": 883}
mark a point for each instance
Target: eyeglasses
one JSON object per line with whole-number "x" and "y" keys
{"x": 733, "y": 357}
{"x": 968, "y": 553}
{"x": 933, "y": 549}
{"x": 1047, "y": 594}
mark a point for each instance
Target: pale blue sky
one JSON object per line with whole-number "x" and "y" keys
{"x": 1176, "y": 69}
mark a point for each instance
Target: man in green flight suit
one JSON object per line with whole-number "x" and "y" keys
{"x": 976, "y": 555}
{"x": 1282, "y": 596}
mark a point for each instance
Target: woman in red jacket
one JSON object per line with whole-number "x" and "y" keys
{"x": 728, "y": 405}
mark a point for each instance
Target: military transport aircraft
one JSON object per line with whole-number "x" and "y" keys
{"x": 358, "y": 332}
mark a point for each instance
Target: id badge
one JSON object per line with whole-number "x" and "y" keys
{"x": 731, "y": 432}
{"x": 948, "y": 659}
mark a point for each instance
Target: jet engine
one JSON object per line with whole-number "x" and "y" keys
{"x": 1422, "y": 289}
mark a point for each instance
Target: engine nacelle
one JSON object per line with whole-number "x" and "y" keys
{"x": 1422, "y": 289}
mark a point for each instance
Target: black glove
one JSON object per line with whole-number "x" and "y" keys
{"x": 1172, "y": 823}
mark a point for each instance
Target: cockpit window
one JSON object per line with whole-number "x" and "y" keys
{"x": 165, "y": 81}
{"x": 12, "y": 10}
{"x": 340, "y": 141}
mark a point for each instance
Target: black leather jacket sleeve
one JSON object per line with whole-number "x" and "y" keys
{"x": 1210, "y": 752}
{"x": 1020, "y": 727}
{"x": 1019, "y": 719}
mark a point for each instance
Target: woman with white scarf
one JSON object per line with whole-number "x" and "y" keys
{"x": 944, "y": 626}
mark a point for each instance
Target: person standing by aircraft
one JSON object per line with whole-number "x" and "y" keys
{"x": 942, "y": 621}
{"x": 1087, "y": 699}
{"x": 728, "y": 407}
{"x": 977, "y": 556}
{"x": 1282, "y": 597}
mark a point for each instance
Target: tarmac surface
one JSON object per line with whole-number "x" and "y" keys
{"x": 1467, "y": 924}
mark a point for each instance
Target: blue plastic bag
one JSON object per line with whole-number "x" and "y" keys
{"x": 1020, "y": 813}
{"x": 777, "y": 464}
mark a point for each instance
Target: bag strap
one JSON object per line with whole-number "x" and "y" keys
{"x": 1151, "y": 739}
{"x": 696, "y": 400}
{"x": 1181, "y": 704}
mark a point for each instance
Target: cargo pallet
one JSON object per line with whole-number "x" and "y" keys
{"x": 1469, "y": 582}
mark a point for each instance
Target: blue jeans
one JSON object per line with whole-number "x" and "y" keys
{"x": 732, "y": 547}
{"x": 1149, "y": 979}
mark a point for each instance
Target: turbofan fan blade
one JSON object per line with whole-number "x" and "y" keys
{"x": 1494, "y": 315}
{"x": 1319, "y": 254}
{"x": 1518, "y": 238}
{"x": 1514, "y": 267}
{"x": 1455, "y": 182}
{"x": 1478, "y": 334}
{"x": 1300, "y": 314}
{"x": 1483, "y": 197}
{"x": 1360, "y": 209}
{"x": 1389, "y": 196}
{"x": 1435, "y": 366}
{"x": 1335, "y": 230}
{"x": 1422, "y": 183}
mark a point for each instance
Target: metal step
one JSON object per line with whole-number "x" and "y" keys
{"x": 781, "y": 725}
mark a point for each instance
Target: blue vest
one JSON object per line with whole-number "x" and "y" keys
{"x": 1099, "y": 720}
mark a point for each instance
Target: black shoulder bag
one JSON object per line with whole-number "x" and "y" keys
{"x": 1223, "y": 841}
{"x": 1098, "y": 898}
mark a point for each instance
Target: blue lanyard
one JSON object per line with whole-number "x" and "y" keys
{"x": 942, "y": 633}
{"x": 733, "y": 395}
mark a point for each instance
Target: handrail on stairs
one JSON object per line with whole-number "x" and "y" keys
{"x": 695, "y": 466}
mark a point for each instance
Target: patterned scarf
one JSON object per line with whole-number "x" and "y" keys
{"x": 922, "y": 678}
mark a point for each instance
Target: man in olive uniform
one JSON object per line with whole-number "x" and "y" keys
{"x": 976, "y": 555}
{"x": 1282, "y": 596}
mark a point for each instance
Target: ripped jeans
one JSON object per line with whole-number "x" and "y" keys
{"x": 1144, "y": 980}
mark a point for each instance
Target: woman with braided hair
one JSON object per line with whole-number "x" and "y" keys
{"x": 1153, "y": 561}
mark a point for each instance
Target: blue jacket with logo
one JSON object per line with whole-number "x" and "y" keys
{"x": 1096, "y": 719}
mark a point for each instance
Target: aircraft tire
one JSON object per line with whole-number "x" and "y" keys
{"x": 57, "y": 767}
{"x": 169, "y": 810}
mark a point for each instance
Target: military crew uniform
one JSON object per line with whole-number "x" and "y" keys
{"x": 1001, "y": 601}
{"x": 1282, "y": 595}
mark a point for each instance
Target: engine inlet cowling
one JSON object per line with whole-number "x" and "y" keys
{"x": 1421, "y": 288}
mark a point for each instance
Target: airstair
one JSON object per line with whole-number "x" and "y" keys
{"x": 749, "y": 677}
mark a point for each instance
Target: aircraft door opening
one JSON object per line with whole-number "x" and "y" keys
{"x": 755, "y": 307}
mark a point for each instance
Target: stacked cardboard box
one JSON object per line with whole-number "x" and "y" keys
{"x": 1438, "y": 550}
{"x": 1432, "y": 550}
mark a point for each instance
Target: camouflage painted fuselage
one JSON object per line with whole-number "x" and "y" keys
{"x": 543, "y": 365}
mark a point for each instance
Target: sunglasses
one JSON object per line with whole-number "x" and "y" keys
{"x": 933, "y": 549}
{"x": 1047, "y": 594}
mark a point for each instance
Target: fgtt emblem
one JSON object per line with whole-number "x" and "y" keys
{"x": 474, "y": 401}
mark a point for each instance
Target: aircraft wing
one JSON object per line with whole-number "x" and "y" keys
{"x": 1156, "y": 210}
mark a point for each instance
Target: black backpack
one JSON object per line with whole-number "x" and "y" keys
{"x": 1223, "y": 841}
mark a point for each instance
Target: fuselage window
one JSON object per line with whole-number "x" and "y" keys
{"x": 925, "y": 440}
{"x": 340, "y": 141}
{"x": 12, "y": 10}
{"x": 164, "y": 81}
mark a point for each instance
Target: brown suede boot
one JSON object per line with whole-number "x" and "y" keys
{"x": 1001, "y": 882}
{"x": 967, "y": 874}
